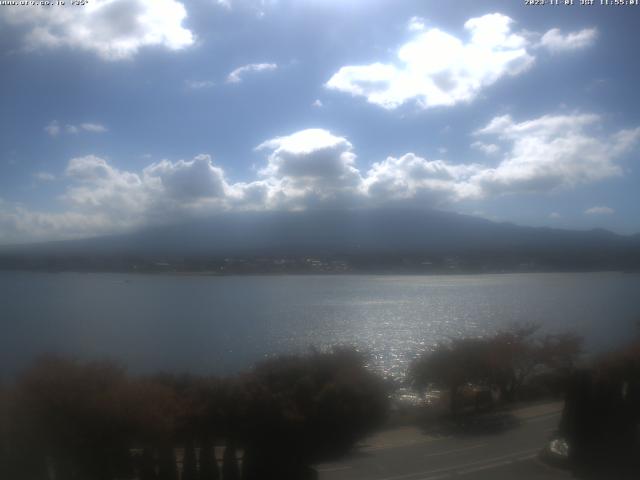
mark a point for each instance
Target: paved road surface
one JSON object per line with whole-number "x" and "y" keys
{"x": 407, "y": 454}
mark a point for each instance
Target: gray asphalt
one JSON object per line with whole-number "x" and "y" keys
{"x": 510, "y": 454}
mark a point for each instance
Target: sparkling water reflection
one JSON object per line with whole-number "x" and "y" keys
{"x": 223, "y": 324}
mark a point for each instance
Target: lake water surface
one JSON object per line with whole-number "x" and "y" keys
{"x": 221, "y": 325}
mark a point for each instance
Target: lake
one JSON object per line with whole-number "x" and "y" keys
{"x": 206, "y": 324}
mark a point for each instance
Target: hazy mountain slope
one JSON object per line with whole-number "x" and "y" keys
{"x": 339, "y": 232}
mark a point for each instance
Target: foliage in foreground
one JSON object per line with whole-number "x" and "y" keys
{"x": 601, "y": 416}
{"x": 504, "y": 362}
{"x": 83, "y": 420}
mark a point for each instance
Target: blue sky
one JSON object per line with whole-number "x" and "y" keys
{"x": 125, "y": 113}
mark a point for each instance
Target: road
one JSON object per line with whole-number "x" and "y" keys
{"x": 408, "y": 454}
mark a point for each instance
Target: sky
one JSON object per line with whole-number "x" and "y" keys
{"x": 120, "y": 114}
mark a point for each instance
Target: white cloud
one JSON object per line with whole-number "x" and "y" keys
{"x": 308, "y": 153}
{"x": 553, "y": 152}
{"x": 309, "y": 165}
{"x": 98, "y": 187}
{"x": 89, "y": 168}
{"x": 416, "y": 24}
{"x": 556, "y": 42}
{"x": 542, "y": 155}
{"x": 312, "y": 153}
{"x": 54, "y": 128}
{"x": 601, "y": 210}
{"x": 189, "y": 180}
{"x": 486, "y": 148}
{"x": 101, "y": 198}
{"x": 112, "y": 29}
{"x": 237, "y": 75}
{"x": 317, "y": 103}
{"x": 20, "y": 224}
{"x": 439, "y": 69}
{"x": 174, "y": 186}
{"x": 436, "y": 68}
{"x": 410, "y": 177}
{"x": 314, "y": 167}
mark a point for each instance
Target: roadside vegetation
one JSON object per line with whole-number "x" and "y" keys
{"x": 514, "y": 364}
{"x": 73, "y": 420}
{"x": 91, "y": 421}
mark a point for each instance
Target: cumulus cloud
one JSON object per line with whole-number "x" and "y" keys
{"x": 102, "y": 199}
{"x": 309, "y": 164}
{"x": 542, "y": 155}
{"x": 552, "y": 152}
{"x": 317, "y": 168}
{"x": 317, "y": 103}
{"x": 313, "y": 153}
{"x": 237, "y": 75}
{"x": 54, "y": 128}
{"x": 556, "y": 42}
{"x": 416, "y": 24}
{"x": 486, "y": 148}
{"x": 435, "y": 68}
{"x": 19, "y": 224}
{"x": 100, "y": 188}
{"x": 601, "y": 210}
{"x": 410, "y": 177}
{"x": 189, "y": 180}
{"x": 112, "y": 29}
{"x": 438, "y": 69}
{"x": 170, "y": 187}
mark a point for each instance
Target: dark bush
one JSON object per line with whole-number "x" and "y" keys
{"x": 506, "y": 361}
{"x": 88, "y": 418}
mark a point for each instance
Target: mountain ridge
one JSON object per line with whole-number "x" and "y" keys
{"x": 351, "y": 233}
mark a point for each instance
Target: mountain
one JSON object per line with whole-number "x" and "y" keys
{"x": 383, "y": 236}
